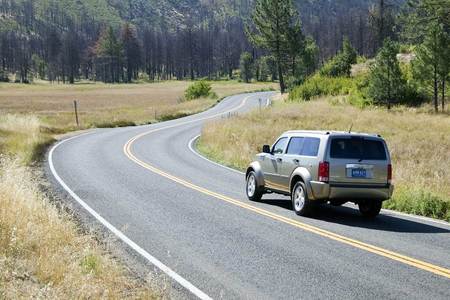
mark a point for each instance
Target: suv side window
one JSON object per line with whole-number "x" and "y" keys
{"x": 279, "y": 147}
{"x": 295, "y": 146}
{"x": 310, "y": 147}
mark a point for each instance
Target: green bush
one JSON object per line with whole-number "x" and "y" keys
{"x": 3, "y": 76}
{"x": 318, "y": 85}
{"x": 198, "y": 89}
{"x": 341, "y": 64}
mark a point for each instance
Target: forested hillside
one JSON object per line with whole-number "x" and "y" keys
{"x": 113, "y": 40}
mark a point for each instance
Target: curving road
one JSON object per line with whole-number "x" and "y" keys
{"x": 190, "y": 218}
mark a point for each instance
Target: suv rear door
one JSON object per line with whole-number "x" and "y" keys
{"x": 358, "y": 160}
{"x": 301, "y": 152}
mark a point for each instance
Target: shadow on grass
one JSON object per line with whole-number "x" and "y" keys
{"x": 350, "y": 216}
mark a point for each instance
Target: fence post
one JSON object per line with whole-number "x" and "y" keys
{"x": 75, "y": 106}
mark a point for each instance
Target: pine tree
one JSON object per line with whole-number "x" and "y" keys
{"x": 341, "y": 64}
{"x": 296, "y": 41}
{"x": 132, "y": 52}
{"x": 386, "y": 80}
{"x": 246, "y": 67}
{"x": 274, "y": 22}
{"x": 310, "y": 56}
{"x": 109, "y": 56}
{"x": 429, "y": 25}
{"x": 382, "y": 21}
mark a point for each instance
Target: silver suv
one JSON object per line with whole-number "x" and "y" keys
{"x": 324, "y": 167}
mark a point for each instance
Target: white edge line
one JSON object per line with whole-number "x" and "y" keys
{"x": 191, "y": 147}
{"x": 172, "y": 274}
{"x": 422, "y": 218}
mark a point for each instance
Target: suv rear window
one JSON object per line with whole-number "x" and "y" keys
{"x": 357, "y": 148}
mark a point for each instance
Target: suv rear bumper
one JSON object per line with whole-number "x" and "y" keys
{"x": 328, "y": 191}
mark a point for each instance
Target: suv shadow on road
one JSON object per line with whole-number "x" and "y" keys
{"x": 349, "y": 216}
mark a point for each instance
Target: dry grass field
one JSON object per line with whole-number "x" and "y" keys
{"x": 43, "y": 253}
{"x": 109, "y": 105}
{"x": 419, "y": 143}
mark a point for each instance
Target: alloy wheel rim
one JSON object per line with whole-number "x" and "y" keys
{"x": 299, "y": 198}
{"x": 251, "y": 185}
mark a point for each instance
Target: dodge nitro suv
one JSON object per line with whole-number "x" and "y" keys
{"x": 324, "y": 167}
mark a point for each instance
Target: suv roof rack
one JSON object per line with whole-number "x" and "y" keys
{"x": 329, "y": 132}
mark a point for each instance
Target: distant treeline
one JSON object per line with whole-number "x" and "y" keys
{"x": 119, "y": 41}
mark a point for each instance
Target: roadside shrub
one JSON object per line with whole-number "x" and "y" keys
{"x": 294, "y": 81}
{"x": 361, "y": 59}
{"x": 114, "y": 124}
{"x": 318, "y": 85}
{"x": 198, "y": 89}
{"x": 341, "y": 64}
{"x": 4, "y": 76}
{"x": 419, "y": 202}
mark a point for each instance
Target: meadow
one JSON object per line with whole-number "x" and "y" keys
{"x": 419, "y": 142}
{"x": 44, "y": 253}
{"x": 107, "y": 105}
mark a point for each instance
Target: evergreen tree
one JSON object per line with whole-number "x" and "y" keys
{"x": 246, "y": 66}
{"x": 382, "y": 21}
{"x": 268, "y": 68}
{"x": 109, "y": 56}
{"x": 296, "y": 41}
{"x": 310, "y": 56}
{"x": 275, "y": 21}
{"x": 341, "y": 64}
{"x": 429, "y": 25}
{"x": 70, "y": 56}
{"x": 132, "y": 52}
{"x": 386, "y": 82}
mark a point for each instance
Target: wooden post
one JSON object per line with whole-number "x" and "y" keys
{"x": 75, "y": 106}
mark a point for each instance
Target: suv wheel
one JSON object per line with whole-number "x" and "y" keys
{"x": 300, "y": 202}
{"x": 254, "y": 193}
{"x": 370, "y": 208}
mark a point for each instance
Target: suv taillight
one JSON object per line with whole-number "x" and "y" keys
{"x": 324, "y": 171}
{"x": 389, "y": 173}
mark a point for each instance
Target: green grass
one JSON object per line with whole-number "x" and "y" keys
{"x": 419, "y": 201}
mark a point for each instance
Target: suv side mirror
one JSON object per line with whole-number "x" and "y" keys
{"x": 266, "y": 149}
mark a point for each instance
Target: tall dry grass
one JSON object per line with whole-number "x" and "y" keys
{"x": 43, "y": 254}
{"x": 23, "y": 137}
{"x": 419, "y": 144}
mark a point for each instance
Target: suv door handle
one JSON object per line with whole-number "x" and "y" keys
{"x": 296, "y": 161}
{"x": 279, "y": 159}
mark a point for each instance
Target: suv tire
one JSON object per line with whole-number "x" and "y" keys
{"x": 370, "y": 208}
{"x": 254, "y": 193}
{"x": 300, "y": 202}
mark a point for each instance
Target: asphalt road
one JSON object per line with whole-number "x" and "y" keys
{"x": 192, "y": 216}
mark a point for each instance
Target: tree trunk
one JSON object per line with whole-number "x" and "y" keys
{"x": 381, "y": 28}
{"x": 389, "y": 89}
{"x": 443, "y": 95}
{"x": 280, "y": 75}
{"x": 436, "y": 90}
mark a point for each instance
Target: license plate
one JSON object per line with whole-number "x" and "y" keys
{"x": 359, "y": 173}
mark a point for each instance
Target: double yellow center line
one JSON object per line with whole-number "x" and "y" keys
{"x": 306, "y": 227}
